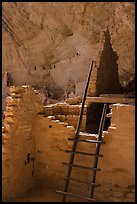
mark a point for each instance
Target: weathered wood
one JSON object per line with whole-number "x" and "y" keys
{"x": 111, "y": 99}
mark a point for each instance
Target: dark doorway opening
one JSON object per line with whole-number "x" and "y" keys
{"x": 94, "y": 113}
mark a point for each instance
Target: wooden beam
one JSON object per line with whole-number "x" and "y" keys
{"x": 111, "y": 99}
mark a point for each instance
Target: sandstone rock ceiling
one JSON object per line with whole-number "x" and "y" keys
{"x": 52, "y": 43}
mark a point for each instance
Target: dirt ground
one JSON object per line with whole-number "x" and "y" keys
{"x": 44, "y": 194}
{"x": 40, "y": 195}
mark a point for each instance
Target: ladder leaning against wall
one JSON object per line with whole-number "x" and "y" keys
{"x": 73, "y": 152}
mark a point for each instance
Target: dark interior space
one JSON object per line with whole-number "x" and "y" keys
{"x": 94, "y": 113}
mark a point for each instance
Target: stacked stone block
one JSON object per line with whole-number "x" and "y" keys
{"x": 17, "y": 141}
{"x": 66, "y": 113}
{"x": 117, "y": 177}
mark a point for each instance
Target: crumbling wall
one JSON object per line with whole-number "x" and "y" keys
{"x": 67, "y": 113}
{"x": 104, "y": 76}
{"x": 18, "y": 145}
{"x": 107, "y": 74}
{"x": 5, "y": 89}
{"x": 117, "y": 177}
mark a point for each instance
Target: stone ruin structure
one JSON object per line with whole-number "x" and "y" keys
{"x": 34, "y": 137}
{"x": 6, "y": 83}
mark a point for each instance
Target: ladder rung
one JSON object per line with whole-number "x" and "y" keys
{"x": 83, "y": 167}
{"x": 70, "y": 194}
{"x": 89, "y": 183}
{"x": 87, "y": 134}
{"x": 84, "y": 153}
{"x": 89, "y": 141}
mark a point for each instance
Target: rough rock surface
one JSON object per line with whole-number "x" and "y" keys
{"x": 52, "y": 43}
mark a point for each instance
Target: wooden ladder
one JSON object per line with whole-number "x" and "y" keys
{"x": 73, "y": 151}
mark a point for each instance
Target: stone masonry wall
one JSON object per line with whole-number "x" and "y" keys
{"x": 51, "y": 141}
{"x": 117, "y": 177}
{"x": 66, "y": 113}
{"x": 18, "y": 145}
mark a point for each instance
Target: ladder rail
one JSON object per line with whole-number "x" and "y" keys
{"x": 95, "y": 162}
{"x": 65, "y": 187}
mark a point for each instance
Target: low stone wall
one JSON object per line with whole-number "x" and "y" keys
{"x": 63, "y": 109}
{"x": 67, "y": 113}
